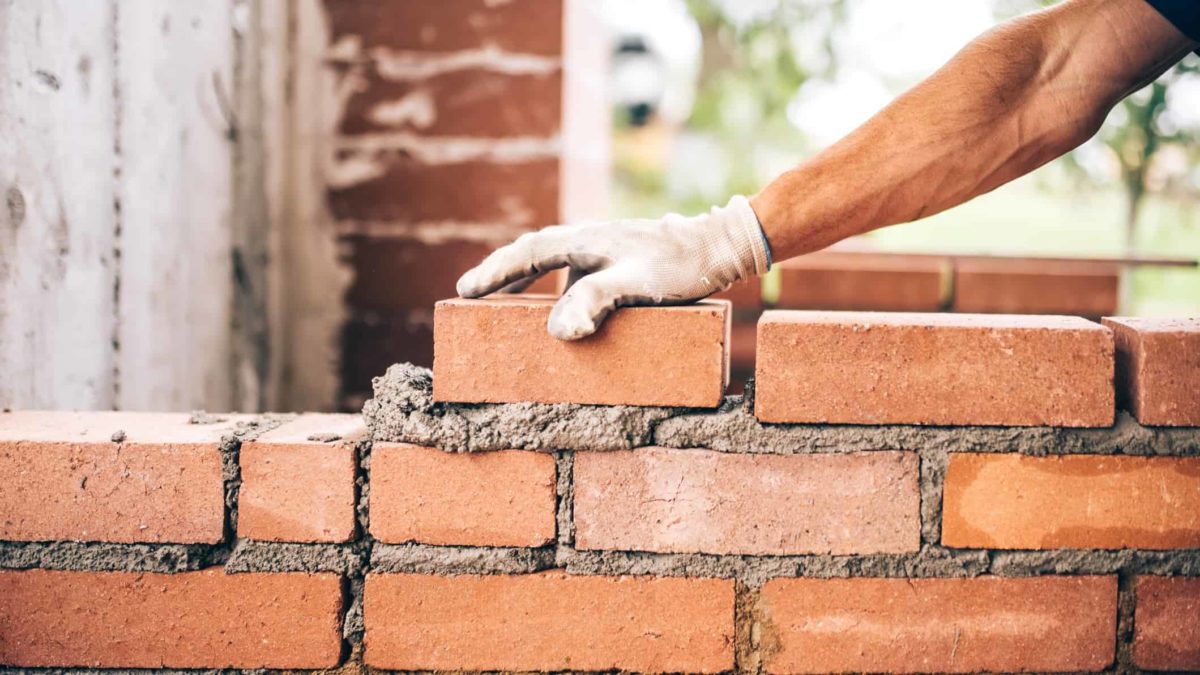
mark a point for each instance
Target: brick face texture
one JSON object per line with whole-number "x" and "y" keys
{"x": 1073, "y": 501}
{"x": 989, "y": 624}
{"x": 662, "y": 356}
{"x": 429, "y": 496}
{"x": 549, "y": 621}
{"x": 693, "y": 501}
{"x": 205, "y": 619}
{"x": 1167, "y": 624}
{"x": 1158, "y": 369}
{"x": 878, "y": 368}
{"x": 65, "y": 478}
{"x": 298, "y": 481}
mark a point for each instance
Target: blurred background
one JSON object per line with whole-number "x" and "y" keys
{"x": 254, "y": 204}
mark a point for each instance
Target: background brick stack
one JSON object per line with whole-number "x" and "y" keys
{"x": 711, "y": 543}
{"x": 461, "y": 129}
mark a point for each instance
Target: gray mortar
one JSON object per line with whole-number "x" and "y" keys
{"x": 932, "y": 479}
{"x": 403, "y": 410}
{"x": 260, "y": 556}
{"x": 564, "y": 494}
{"x": 105, "y": 557}
{"x": 423, "y": 559}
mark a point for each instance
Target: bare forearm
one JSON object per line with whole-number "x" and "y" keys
{"x": 1015, "y": 98}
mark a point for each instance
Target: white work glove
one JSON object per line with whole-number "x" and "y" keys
{"x": 672, "y": 260}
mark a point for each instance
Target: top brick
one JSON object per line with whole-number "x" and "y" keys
{"x": 968, "y": 369}
{"x": 525, "y": 27}
{"x": 1158, "y": 369}
{"x": 497, "y": 351}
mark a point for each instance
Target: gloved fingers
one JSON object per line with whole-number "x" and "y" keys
{"x": 530, "y": 254}
{"x": 574, "y": 275}
{"x": 580, "y": 311}
{"x": 521, "y": 284}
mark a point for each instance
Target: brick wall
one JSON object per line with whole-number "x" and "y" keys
{"x": 463, "y": 124}
{"x": 427, "y": 535}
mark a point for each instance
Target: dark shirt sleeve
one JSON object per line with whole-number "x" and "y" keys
{"x": 1185, "y": 14}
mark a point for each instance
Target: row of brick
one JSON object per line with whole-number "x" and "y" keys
{"x": 553, "y": 621}
{"x": 66, "y": 478}
{"x": 830, "y": 367}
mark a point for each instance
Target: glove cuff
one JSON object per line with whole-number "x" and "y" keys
{"x": 745, "y": 232}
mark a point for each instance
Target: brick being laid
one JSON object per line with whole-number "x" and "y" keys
{"x": 948, "y": 369}
{"x": 1158, "y": 369}
{"x": 497, "y": 350}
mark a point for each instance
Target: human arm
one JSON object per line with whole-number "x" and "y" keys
{"x": 1021, "y": 94}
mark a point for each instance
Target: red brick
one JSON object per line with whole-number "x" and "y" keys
{"x": 393, "y": 274}
{"x": 1074, "y": 501}
{"x": 65, "y": 478}
{"x": 549, "y": 622}
{"x": 1158, "y": 369}
{"x": 204, "y": 619}
{"x": 473, "y": 102}
{"x": 1167, "y": 624}
{"x": 498, "y": 350}
{"x": 1035, "y": 287}
{"x": 695, "y": 501}
{"x": 298, "y": 481}
{"x": 990, "y": 624}
{"x": 426, "y": 495}
{"x": 879, "y": 368}
{"x": 861, "y": 281}
{"x": 521, "y": 194}
{"x": 525, "y": 27}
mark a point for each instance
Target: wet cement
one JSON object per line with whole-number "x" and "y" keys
{"x": 403, "y": 410}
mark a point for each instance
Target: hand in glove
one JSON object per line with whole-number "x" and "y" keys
{"x": 673, "y": 260}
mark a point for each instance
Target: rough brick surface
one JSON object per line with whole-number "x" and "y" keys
{"x": 298, "y": 481}
{"x": 1167, "y": 624}
{"x": 1072, "y": 501}
{"x": 987, "y": 624}
{"x": 425, "y": 495}
{"x": 857, "y": 281}
{"x": 202, "y": 619}
{"x": 664, "y": 500}
{"x": 1158, "y": 369}
{"x": 1035, "y": 287}
{"x": 878, "y": 368}
{"x": 549, "y": 622}
{"x": 528, "y": 27}
{"x": 65, "y": 478}
{"x": 498, "y": 350}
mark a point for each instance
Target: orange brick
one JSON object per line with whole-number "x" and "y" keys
{"x": 298, "y": 481}
{"x": 65, "y": 478}
{"x": 1158, "y": 369}
{"x": 204, "y": 619}
{"x": 503, "y": 498}
{"x": 548, "y": 622}
{"x": 859, "y": 281}
{"x": 1073, "y": 501}
{"x": 990, "y": 624}
{"x": 1167, "y": 624}
{"x": 695, "y": 501}
{"x": 1035, "y": 287}
{"x": 879, "y": 368}
{"x": 526, "y": 27}
{"x": 498, "y": 350}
